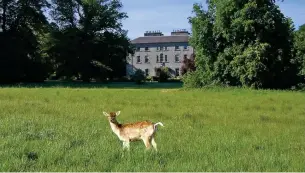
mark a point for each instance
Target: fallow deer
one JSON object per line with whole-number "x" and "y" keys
{"x": 143, "y": 130}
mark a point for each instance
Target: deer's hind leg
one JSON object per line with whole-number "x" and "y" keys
{"x": 153, "y": 143}
{"x": 147, "y": 143}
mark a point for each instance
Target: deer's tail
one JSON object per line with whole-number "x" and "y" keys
{"x": 159, "y": 123}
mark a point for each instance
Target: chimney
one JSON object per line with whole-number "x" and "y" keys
{"x": 153, "y": 33}
{"x": 180, "y": 32}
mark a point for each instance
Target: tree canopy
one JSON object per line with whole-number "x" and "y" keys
{"x": 22, "y": 23}
{"x": 243, "y": 43}
{"x": 89, "y": 41}
{"x": 69, "y": 38}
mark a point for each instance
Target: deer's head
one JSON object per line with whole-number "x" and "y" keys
{"x": 112, "y": 116}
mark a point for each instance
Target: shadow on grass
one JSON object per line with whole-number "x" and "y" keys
{"x": 116, "y": 85}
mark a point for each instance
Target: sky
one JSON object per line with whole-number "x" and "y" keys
{"x": 169, "y": 15}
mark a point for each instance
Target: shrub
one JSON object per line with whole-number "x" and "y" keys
{"x": 149, "y": 78}
{"x": 192, "y": 79}
{"x": 162, "y": 73}
{"x": 139, "y": 76}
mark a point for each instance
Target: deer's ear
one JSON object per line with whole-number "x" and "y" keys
{"x": 118, "y": 113}
{"x": 106, "y": 114}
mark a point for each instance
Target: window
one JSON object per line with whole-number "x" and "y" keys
{"x": 138, "y": 48}
{"x": 147, "y": 72}
{"x": 184, "y": 47}
{"x": 176, "y": 47}
{"x": 146, "y": 59}
{"x": 157, "y": 58}
{"x": 177, "y": 71}
{"x": 161, "y": 57}
{"x": 165, "y": 58}
{"x": 176, "y": 58}
{"x": 146, "y": 49}
{"x": 138, "y": 59}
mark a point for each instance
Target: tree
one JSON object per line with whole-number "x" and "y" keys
{"x": 22, "y": 25}
{"x": 88, "y": 40}
{"x": 188, "y": 64}
{"x": 243, "y": 43}
{"x": 300, "y": 47}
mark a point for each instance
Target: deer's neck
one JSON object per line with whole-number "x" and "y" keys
{"x": 115, "y": 127}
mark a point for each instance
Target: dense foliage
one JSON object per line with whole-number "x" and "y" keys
{"x": 81, "y": 39}
{"x": 162, "y": 74}
{"x": 300, "y": 47}
{"x": 188, "y": 64}
{"x": 22, "y": 25}
{"x": 243, "y": 43}
{"x": 139, "y": 76}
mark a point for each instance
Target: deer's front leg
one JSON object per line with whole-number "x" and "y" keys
{"x": 126, "y": 145}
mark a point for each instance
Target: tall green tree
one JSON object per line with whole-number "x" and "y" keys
{"x": 300, "y": 47}
{"x": 87, "y": 39}
{"x": 22, "y": 25}
{"x": 243, "y": 43}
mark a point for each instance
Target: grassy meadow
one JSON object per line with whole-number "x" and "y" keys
{"x": 63, "y": 129}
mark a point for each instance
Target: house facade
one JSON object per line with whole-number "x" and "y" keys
{"x": 155, "y": 50}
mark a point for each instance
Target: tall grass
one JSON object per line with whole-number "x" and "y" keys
{"x": 62, "y": 129}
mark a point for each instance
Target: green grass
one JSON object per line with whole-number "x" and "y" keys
{"x": 63, "y": 129}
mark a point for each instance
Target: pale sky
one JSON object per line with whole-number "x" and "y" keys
{"x": 167, "y": 15}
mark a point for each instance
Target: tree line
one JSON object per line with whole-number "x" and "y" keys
{"x": 63, "y": 39}
{"x": 247, "y": 43}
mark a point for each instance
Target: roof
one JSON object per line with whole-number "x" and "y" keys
{"x": 161, "y": 39}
